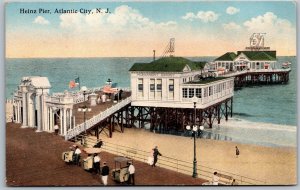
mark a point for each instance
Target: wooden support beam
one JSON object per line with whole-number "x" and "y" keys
{"x": 122, "y": 120}
{"x": 231, "y": 107}
{"x": 110, "y": 127}
{"x": 226, "y": 111}
{"x": 218, "y": 111}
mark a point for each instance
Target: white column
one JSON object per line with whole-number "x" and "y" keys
{"x": 24, "y": 102}
{"x": 61, "y": 121}
{"x": 70, "y": 118}
{"x": 73, "y": 121}
{"x": 65, "y": 121}
{"x": 39, "y": 113}
{"x": 31, "y": 111}
{"x": 17, "y": 112}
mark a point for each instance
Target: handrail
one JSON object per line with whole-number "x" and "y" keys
{"x": 256, "y": 71}
{"x": 172, "y": 163}
{"x": 96, "y": 119}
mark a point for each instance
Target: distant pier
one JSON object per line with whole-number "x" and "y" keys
{"x": 259, "y": 77}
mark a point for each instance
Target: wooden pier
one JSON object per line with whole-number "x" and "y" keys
{"x": 251, "y": 78}
{"x": 158, "y": 119}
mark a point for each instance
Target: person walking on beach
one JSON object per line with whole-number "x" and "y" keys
{"x": 156, "y": 153}
{"x": 150, "y": 158}
{"x": 237, "y": 151}
{"x": 233, "y": 182}
{"x": 131, "y": 170}
{"x": 215, "y": 179}
{"x": 105, "y": 173}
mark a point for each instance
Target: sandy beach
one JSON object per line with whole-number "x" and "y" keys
{"x": 274, "y": 165}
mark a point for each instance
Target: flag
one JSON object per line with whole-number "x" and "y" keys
{"x": 77, "y": 80}
{"x": 72, "y": 84}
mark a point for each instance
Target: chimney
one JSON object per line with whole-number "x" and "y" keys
{"x": 153, "y": 55}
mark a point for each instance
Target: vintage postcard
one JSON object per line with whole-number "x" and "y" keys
{"x": 150, "y": 93}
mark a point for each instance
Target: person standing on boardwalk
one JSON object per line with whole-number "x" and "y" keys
{"x": 97, "y": 164}
{"x": 56, "y": 129}
{"x": 77, "y": 155}
{"x": 104, "y": 173}
{"x": 131, "y": 170}
{"x": 156, "y": 153}
{"x": 237, "y": 151}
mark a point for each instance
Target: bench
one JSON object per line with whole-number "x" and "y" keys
{"x": 224, "y": 179}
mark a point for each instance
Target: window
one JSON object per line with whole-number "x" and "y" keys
{"x": 152, "y": 85}
{"x": 191, "y": 92}
{"x": 210, "y": 91}
{"x": 198, "y": 92}
{"x": 184, "y": 93}
{"x": 140, "y": 84}
{"x": 171, "y": 85}
{"x": 158, "y": 85}
{"x": 140, "y": 87}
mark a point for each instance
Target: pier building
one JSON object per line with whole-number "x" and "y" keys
{"x": 256, "y": 64}
{"x": 166, "y": 90}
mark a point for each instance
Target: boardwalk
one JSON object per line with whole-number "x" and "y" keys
{"x": 34, "y": 159}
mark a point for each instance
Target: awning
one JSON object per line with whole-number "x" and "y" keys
{"x": 109, "y": 89}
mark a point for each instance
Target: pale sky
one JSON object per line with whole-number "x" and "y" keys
{"x": 135, "y": 29}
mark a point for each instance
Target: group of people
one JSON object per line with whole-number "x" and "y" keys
{"x": 152, "y": 160}
{"x": 96, "y": 166}
{"x": 101, "y": 98}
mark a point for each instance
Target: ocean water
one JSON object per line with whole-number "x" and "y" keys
{"x": 274, "y": 105}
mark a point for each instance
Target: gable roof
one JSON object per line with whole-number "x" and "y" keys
{"x": 260, "y": 55}
{"x": 168, "y": 64}
{"x": 229, "y": 56}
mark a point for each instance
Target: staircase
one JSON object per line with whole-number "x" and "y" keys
{"x": 96, "y": 119}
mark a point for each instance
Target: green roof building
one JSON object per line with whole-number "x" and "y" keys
{"x": 169, "y": 64}
{"x": 245, "y": 60}
{"x": 173, "y": 82}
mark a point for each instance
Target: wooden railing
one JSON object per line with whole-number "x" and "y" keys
{"x": 96, "y": 119}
